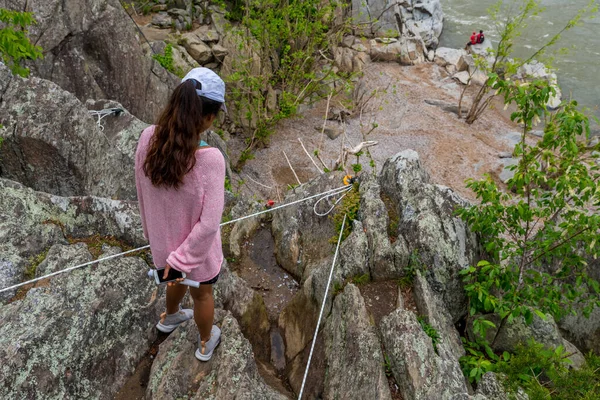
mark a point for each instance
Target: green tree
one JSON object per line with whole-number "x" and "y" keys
{"x": 14, "y": 43}
{"x": 541, "y": 234}
{"x": 510, "y": 20}
{"x": 292, "y": 39}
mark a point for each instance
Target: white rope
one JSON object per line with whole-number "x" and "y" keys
{"x": 312, "y": 347}
{"x": 101, "y": 114}
{"x": 328, "y": 193}
{"x": 334, "y": 204}
{"x": 331, "y": 192}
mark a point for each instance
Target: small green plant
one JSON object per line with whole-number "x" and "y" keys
{"x": 338, "y": 287}
{"x": 33, "y": 263}
{"x": 349, "y": 207}
{"x": 410, "y": 271}
{"x": 228, "y": 184}
{"x": 15, "y": 46}
{"x": 387, "y": 365}
{"x": 166, "y": 60}
{"x": 478, "y": 360}
{"x": 430, "y": 331}
{"x": 361, "y": 279}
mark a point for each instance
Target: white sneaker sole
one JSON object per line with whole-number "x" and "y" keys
{"x": 166, "y": 328}
{"x": 206, "y": 357}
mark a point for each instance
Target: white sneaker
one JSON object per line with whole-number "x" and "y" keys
{"x": 205, "y": 350}
{"x": 168, "y": 322}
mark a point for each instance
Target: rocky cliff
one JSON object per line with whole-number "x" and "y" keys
{"x": 67, "y": 196}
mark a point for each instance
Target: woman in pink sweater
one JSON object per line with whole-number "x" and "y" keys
{"x": 180, "y": 187}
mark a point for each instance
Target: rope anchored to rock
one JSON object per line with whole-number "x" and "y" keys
{"x": 329, "y": 193}
{"x": 312, "y": 346}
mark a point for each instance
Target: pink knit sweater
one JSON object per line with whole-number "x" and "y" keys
{"x": 183, "y": 225}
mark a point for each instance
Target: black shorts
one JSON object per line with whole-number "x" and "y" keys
{"x": 213, "y": 280}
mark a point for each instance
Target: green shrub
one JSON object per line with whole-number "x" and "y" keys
{"x": 349, "y": 206}
{"x": 540, "y": 233}
{"x": 293, "y": 37}
{"x": 430, "y": 331}
{"x": 410, "y": 271}
{"x": 14, "y": 43}
{"x": 361, "y": 279}
{"x": 166, "y": 60}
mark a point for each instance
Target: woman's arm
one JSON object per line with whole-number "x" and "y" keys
{"x": 139, "y": 173}
{"x": 194, "y": 249}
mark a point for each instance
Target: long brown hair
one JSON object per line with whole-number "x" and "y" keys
{"x": 171, "y": 153}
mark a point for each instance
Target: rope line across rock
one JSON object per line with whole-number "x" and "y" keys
{"x": 329, "y": 193}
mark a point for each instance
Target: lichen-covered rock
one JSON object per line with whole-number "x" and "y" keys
{"x": 78, "y": 335}
{"x": 92, "y": 50}
{"x": 230, "y": 374}
{"x": 429, "y": 226}
{"x": 298, "y": 319}
{"x": 436, "y": 315}
{"x": 248, "y": 307}
{"x": 492, "y": 389}
{"x": 386, "y": 261}
{"x": 354, "y": 358}
{"x": 56, "y": 146}
{"x": 510, "y": 335}
{"x": 302, "y": 237}
{"x": 31, "y": 222}
{"x": 581, "y": 331}
{"x": 420, "y": 373}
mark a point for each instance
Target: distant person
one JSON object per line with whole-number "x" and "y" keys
{"x": 472, "y": 41}
{"x": 480, "y": 37}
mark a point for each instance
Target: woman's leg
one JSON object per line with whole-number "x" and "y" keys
{"x": 175, "y": 294}
{"x": 204, "y": 309}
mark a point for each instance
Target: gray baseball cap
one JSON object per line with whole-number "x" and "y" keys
{"x": 213, "y": 86}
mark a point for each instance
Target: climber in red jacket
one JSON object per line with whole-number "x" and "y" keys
{"x": 473, "y": 40}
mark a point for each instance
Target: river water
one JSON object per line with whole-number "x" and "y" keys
{"x": 578, "y": 71}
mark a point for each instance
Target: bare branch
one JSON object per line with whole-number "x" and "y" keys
{"x": 292, "y": 168}
{"x": 311, "y": 159}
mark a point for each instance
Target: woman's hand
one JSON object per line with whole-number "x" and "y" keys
{"x": 166, "y": 274}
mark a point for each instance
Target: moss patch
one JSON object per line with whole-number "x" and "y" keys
{"x": 393, "y": 217}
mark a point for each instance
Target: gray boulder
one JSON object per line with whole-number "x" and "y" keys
{"x": 298, "y": 319}
{"x": 510, "y": 335}
{"x": 302, "y": 237}
{"x": 433, "y": 310}
{"x": 80, "y": 334}
{"x": 248, "y": 307}
{"x": 196, "y": 48}
{"x": 428, "y": 225}
{"x": 382, "y": 18}
{"x": 231, "y": 374}
{"x": 354, "y": 358}
{"x": 490, "y": 388}
{"x": 92, "y": 50}
{"x": 56, "y": 146}
{"x": 581, "y": 331}
{"x": 31, "y": 222}
{"x": 454, "y": 60}
{"x": 406, "y": 51}
{"x": 385, "y": 260}
{"x": 418, "y": 370}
